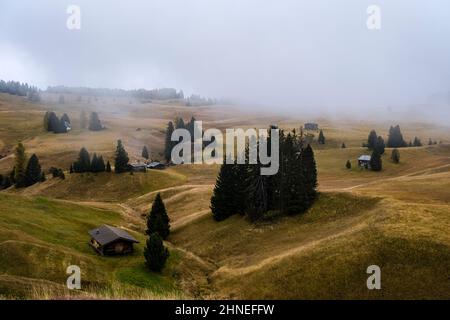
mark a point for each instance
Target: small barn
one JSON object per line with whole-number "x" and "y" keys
{"x": 138, "y": 167}
{"x": 311, "y": 126}
{"x": 156, "y": 165}
{"x": 109, "y": 241}
{"x": 364, "y": 161}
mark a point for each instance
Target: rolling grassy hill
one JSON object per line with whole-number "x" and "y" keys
{"x": 398, "y": 218}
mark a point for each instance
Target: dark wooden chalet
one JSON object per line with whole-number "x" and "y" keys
{"x": 108, "y": 241}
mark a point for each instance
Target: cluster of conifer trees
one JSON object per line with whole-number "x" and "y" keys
{"x": 241, "y": 189}
{"x": 53, "y": 124}
{"x": 25, "y": 173}
{"x": 19, "y": 89}
{"x": 158, "y": 229}
{"x": 84, "y": 163}
{"x": 179, "y": 124}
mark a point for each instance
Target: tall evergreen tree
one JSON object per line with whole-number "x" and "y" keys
{"x": 257, "y": 193}
{"x": 309, "y": 173}
{"x": 168, "y": 142}
{"x": 145, "y": 153}
{"x": 155, "y": 253}
{"x": 417, "y": 142}
{"x": 94, "y": 163}
{"x": 33, "y": 171}
{"x": 83, "y": 164}
{"x": 94, "y": 122}
{"x": 46, "y": 121}
{"x": 380, "y": 145}
{"x": 372, "y": 140}
{"x": 121, "y": 159}
{"x": 223, "y": 199}
{"x": 108, "y": 167}
{"x": 375, "y": 161}
{"x": 19, "y": 167}
{"x": 158, "y": 221}
{"x": 343, "y": 145}
{"x": 101, "y": 164}
{"x": 294, "y": 196}
{"x": 53, "y": 122}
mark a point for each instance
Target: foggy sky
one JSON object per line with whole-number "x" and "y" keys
{"x": 274, "y": 52}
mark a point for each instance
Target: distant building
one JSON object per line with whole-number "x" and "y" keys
{"x": 311, "y": 126}
{"x": 156, "y": 165}
{"x": 108, "y": 241}
{"x": 364, "y": 161}
{"x": 138, "y": 167}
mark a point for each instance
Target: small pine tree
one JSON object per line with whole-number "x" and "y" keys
{"x": 375, "y": 160}
{"x": 155, "y": 253}
{"x": 19, "y": 167}
{"x": 395, "y": 156}
{"x": 94, "y": 122}
{"x": 321, "y": 138}
{"x": 121, "y": 160}
{"x": 71, "y": 169}
{"x": 43, "y": 178}
{"x": 158, "y": 221}
{"x": 33, "y": 171}
{"x": 348, "y": 165}
{"x": 343, "y": 145}
{"x": 145, "y": 153}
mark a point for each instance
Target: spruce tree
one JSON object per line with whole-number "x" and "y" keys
{"x": 372, "y": 140}
{"x": 83, "y": 164}
{"x": 121, "y": 159}
{"x": 223, "y": 199}
{"x": 380, "y": 145}
{"x": 375, "y": 161}
{"x": 108, "y": 167}
{"x": 155, "y": 253}
{"x": 348, "y": 165}
{"x": 94, "y": 122}
{"x": 395, "y": 156}
{"x": 157, "y": 220}
{"x": 343, "y": 145}
{"x": 101, "y": 164}
{"x": 310, "y": 173}
{"x": 293, "y": 191}
{"x": 71, "y": 169}
{"x": 19, "y": 167}
{"x": 321, "y": 138}
{"x": 395, "y": 139}
{"x": 257, "y": 194}
{"x": 94, "y": 163}
{"x": 46, "y": 121}
{"x": 145, "y": 153}
{"x": 33, "y": 171}
{"x": 168, "y": 142}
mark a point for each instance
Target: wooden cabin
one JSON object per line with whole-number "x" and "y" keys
{"x": 364, "y": 161}
{"x": 156, "y": 165}
{"x": 109, "y": 241}
{"x": 138, "y": 167}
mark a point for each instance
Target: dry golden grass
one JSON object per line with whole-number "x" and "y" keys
{"x": 398, "y": 218}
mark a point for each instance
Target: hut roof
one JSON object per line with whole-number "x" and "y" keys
{"x": 107, "y": 234}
